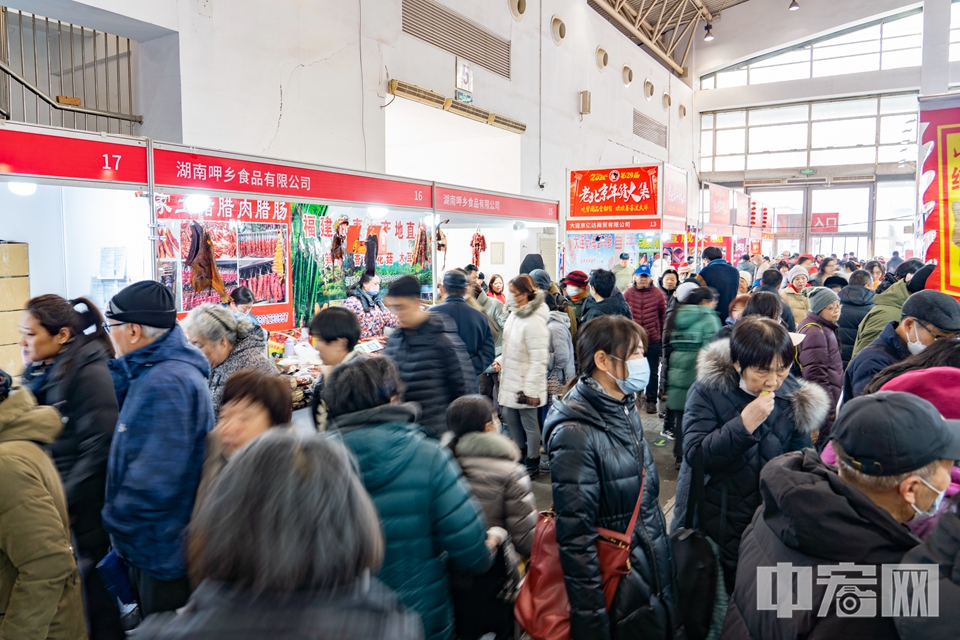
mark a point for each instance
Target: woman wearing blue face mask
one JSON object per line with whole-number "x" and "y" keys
{"x": 602, "y": 471}
{"x": 367, "y": 304}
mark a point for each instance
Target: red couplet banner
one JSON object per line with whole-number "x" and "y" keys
{"x": 628, "y": 191}
{"x": 38, "y": 154}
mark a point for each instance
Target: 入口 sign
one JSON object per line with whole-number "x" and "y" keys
{"x": 825, "y": 223}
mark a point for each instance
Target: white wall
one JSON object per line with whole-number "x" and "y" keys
{"x": 432, "y": 144}
{"x": 296, "y": 80}
{"x": 36, "y": 220}
{"x": 459, "y": 251}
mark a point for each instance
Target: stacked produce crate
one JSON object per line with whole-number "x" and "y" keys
{"x": 14, "y": 295}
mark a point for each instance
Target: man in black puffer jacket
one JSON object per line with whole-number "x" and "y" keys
{"x": 432, "y": 360}
{"x": 856, "y": 300}
{"x": 595, "y": 442}
{"x": 472, "y": 325}
{"x": 733, "y": 455}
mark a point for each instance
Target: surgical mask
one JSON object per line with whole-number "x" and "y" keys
{"x": 916, "y": 347}
{"x": 373, "y": 290}
{"x": 638, "y": 375}
{"x": 934, "y": 508}
{"x": 511, "y": 301}
{"x": 574, "y": 291}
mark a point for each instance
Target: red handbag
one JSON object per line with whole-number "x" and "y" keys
{"x": 542, "y": 607}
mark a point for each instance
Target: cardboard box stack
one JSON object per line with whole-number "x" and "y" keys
{"x": 14, "y": 294}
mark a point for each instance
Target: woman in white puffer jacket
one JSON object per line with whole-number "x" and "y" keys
{"x": 523, "y": 366}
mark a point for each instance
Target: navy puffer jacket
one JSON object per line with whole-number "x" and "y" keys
{"x": 732, "y": 456}
{"x": 431, "y": 521}
{"x": 596, "y": 446}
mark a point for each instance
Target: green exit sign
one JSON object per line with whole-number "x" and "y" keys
{"x": 807, "y": 172}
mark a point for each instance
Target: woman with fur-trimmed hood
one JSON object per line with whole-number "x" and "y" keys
{"x": 743, "y": 410}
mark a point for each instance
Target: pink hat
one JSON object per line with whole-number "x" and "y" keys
{"x": 936, "y": 385}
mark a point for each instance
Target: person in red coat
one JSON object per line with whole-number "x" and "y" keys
{"x": 649, "y": 309}
{"x": 819, "y": 353}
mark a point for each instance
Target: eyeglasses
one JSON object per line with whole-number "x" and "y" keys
{"x": 107, "y": 326}
{"x": 936, "y": 336}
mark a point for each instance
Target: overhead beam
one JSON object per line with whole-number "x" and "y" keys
{"x": 640, "y": 35}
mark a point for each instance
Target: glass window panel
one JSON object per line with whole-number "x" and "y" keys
{"x": 790, "y": 57}
{"x": 706, "y": 120}
{"x": 708, "y": 83}
{"x": 730, "y": 141}
{"x": 896, "y": 205}
{"x": 777, "y": 160}
{"x": 706, "y": 143}
{"x": 892, "y": 129}
{"x": 728, "y": 163}
{"x": 735, "y": 78}
{"x": 837, "y": 67}
{"x": 844, "y": 133}
{"x": 844, "y": 109}
{"x": 829, "y": 157}
{"x": 903, "y": 26}
{"x": 954, "y": 52}
{"x": 900, "y": 59}
{"x": 955, "y": 15}
{"x": 903, "y": 42}
{"x": 731, "y": 119}
{"x": 853, "y": 205}
{"x": 784, "y": 137}
{"x": 895, "y": 104}
{"x": 897, "y": 153}
{"x": 796, "y": 113}
{"x": 827, "y": 51}
{"x": 955, "y": 33}
{"x": 870, "y": 33}
{"x": 706, "y": 165}
{"x": 800, "y": 71}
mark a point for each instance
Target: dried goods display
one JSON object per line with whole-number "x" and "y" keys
{"x": 192, "y": 299}
{"x": 258, "y": 243}
{"x": 223, "y": 235}
{"x": 266, "y": 285}
{"x": 167, "y": 245}
{"x": 200, "y": 259}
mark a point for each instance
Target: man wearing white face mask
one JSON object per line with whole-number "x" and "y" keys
{"x": 926, "y": 316}
{"x": 576, "y": 291}
{"x": 894, "y": 454}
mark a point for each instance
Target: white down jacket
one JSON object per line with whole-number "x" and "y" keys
{"x": 526, "y": 350}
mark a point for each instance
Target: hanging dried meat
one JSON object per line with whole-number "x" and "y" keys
{"x": 479, "y": 244}
{"x": 203, "y": 265}
{"x": 420, "y": 246}
{"x": 442, "y": 244}
{"x": 370, "y": 258}
{"x": 339, "y": 240}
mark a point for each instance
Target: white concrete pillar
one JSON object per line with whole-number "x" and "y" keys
{"x": 935, "y": 73}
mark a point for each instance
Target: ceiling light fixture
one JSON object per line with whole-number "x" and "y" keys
{"x": 794, "y": 5}
{"x": 22, "y": 188}
{"x": 197, "y": 204}
{"x": 708, "y": 36}
{"x": 377, "y": 212}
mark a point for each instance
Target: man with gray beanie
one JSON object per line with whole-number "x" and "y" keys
{"x": 472, "y": 325}
{"x": 158, "y": 447}
{"x": 926, "y": 316}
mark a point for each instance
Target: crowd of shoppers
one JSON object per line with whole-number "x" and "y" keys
{"x": 162, "y": 449}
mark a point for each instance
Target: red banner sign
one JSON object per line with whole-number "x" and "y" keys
{"x": 719, "y": 205}
{"x": 614, "y": 225}
{"x": 825, "y": 223}
{"x": 674, "y": 192}
{"x": 45, "y": 155}
{"x": 743, "y": 210}
{"x": 491, "y": 204}
{"x": 176, "y": 168}
{"x": 630, "y": 191}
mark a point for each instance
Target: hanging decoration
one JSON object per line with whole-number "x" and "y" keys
{"x": 203, "y": 265}
{"x": 373, "y": 246}
{"x": 442, "y": 243}
{"x": 479, "y": 244}
{"x": 339, "y": 241}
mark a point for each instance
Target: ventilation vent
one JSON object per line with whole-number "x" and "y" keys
{"x": 415, "y": 93}
{"x": 649, "y": 129}
{"x": 853, "y": 179}
{"x": 467, "y": 111}
{"x": 448, "y": 30}
{"x": 508, "y": 124}
{"x": 761, "y": 183}
{"x": 805, "y": 181}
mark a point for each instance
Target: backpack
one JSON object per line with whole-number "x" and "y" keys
{"x": 701, "y": 596}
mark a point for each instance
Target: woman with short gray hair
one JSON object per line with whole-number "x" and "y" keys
{"x": 230, "y": 343}
{"x": 309, "y": 578}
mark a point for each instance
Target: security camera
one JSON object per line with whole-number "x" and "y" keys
{"x": 542, "y": 183}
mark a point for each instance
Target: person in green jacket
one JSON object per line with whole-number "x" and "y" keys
{"x": 39, "y": 582}
{"x": 887, "y": 306}
{"x": 689, "y": 329}
{"x": 426, "y": 507}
